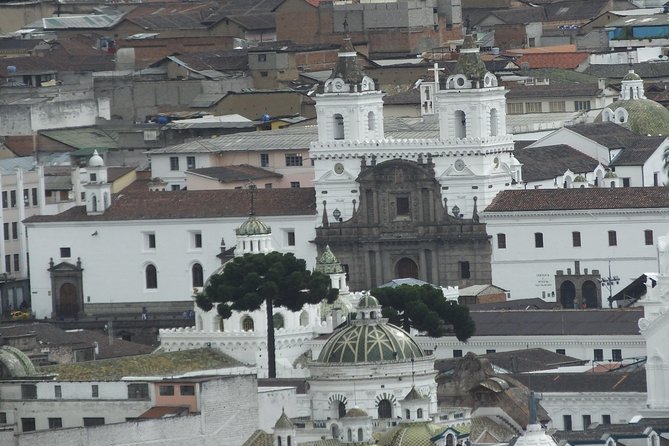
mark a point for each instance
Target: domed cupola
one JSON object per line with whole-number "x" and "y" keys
{"x": 97, "y": 190}
{"x": 253, "y": 237}
{"x": 356, "y": 426}
{"x": 415, "y": 406}
{"x": 328, "y": 264}
{"x": 634, "y": 111}
{"x": 369, "y": 338}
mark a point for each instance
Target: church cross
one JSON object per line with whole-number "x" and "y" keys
{"x": 252, "y": 192}
{"x": 436, "y": 71}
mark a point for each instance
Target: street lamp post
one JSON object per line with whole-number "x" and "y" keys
{"x": 608, "y": 282}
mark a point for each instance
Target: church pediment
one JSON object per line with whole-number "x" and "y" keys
{"x": 451, "y": 171}
{"x": 65, "y": 267}
{"x": 332, "y": 177}
{"x": 397, "y": 171}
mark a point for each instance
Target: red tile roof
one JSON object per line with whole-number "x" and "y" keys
{"x": 567, "y": 61}
{"x": 135, "y": 204}
{"x": 580, "y": 199}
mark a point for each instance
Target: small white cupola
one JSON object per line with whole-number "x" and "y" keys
{"x": 97, "y": 189}
{"x": 415, "y": 407}
{"x": 328, "y": 264}
{"x": 368, "y": 309}
{"x": 284, "y": 431}
{"x": 356, "y": 426}
{"x": 253, "y": 236}
{"x": 631, "y": 87}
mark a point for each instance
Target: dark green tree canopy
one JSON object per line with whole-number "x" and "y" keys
{"x": 425, "y": 309}
{"x": 246, "y": 282}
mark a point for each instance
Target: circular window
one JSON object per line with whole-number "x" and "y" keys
{"x": 460, "y": 82}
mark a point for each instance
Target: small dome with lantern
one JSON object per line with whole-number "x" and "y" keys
{"x": 96, "y": 160}
{"x": 347, "y": 76}
{"x": 253, "y": 226}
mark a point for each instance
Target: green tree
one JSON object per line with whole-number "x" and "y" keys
{"x": 425, "y": 309}
{"x": 276, "y": 279}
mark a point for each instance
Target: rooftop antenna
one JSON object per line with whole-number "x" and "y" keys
{"x": 355, "y": 395}
{"x": 413, "y": 373}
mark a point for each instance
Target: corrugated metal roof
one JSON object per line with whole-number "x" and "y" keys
{"x": 205, "y": 100}
{"x": 83, "y": 21}
{"x": 84, "y": 138}
{"x": 293, "y": 138}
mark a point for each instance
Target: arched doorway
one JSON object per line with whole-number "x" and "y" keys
{"x": 567, "y": 294}
{"x": 69, "y": 300}
{"x": 385, "y": 409}
{"x": 406, "y": 268}
{"x": 589, "y": 292}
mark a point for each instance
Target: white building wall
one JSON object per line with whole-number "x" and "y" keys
{"x": 100, "y": 245}
{"x": 229, "y": 415}
{"x": 619, "y": 406}
{"x": 272, "y": 401}
{"x": 528, "y": 271}
{"x": 161, "y": 166}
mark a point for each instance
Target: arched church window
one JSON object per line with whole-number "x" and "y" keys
{"x": 197, "y": 275}
{"x": 385, "y": 409}
{"x": 278, "y": 440}
{"x": 567, "y": 294}
{"x": 371, "y": 123}
{"x": 335, "y": 431}
{"x": 349, "y": 434}
{"x": 460, "y": 125}
{"x": 289, "y": 441}
{"x": 419, "y": 413}
{"x": 450, "y": 440}
{"x": 493, "y": 122}
{"x": 360, "y": 434}
{"x": 304, "y": 318}
{"x": 247, "y": 324}
{"x": 341, "y": 409}
{"x": 151, "y": 276}
{"x": 338, "y": 126}
{"x": 94, "y": 203}
{"x": 278, "y": 321}
{"x": 407, "y": 414}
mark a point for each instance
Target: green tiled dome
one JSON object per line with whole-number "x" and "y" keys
{"x": 410, "y": 434}
{"x": 632, "y": 76}
{"x": 646, "y": 117}
{"x": 253, "y": 226}
{"x": 360, "y": 343}
{"x": 14, "y": 363}
{"x": 328, "y": 263}
{"x": 368, "y": 301}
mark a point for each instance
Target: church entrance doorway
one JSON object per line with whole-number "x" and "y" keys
{"x": 385, "y": 409}
{"x": 406, "y": 269}
{"x": 589, "y": 292}
{"x": 567, "y": 294}
{"x": 69, "y": 301}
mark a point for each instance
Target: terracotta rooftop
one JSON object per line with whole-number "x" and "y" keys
{"x": 579, "y": 199}
{"x": 141, "y": 204}
{"x": 557, "y": 322}
{"x": 565, "y": 60}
